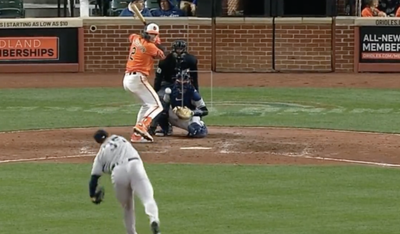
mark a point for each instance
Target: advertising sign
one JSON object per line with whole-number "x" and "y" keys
{"x": 39, "y": 45}
{"x": 29, "y": 48}
{"x": 379, "y": 44}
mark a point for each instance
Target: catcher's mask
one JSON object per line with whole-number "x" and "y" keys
{"x": 183, "y": 83}
{"x": 179, "y": 51}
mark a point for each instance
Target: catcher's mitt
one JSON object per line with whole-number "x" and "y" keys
{"x": 98, "y": 196}
{"x": 183, "y": 112}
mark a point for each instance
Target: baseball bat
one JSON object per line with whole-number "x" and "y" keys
{"x": 138, "y": 14}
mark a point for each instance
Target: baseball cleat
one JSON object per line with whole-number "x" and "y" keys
{"x": 155, "y": 228}
{"x": 136, "y": 138}
{"x": 141, "y": 130}
{"x": 160, "y": 133}
{"x": 165, "y": 131}
{"x": 152, "y": 130}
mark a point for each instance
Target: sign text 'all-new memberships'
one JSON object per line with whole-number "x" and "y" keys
{"x": 380, "y": 43}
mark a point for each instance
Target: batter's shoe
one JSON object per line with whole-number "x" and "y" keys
{"x": 141, "y": 129}
{"x": 136, "y": 138}
{"x": 155, "y": 228}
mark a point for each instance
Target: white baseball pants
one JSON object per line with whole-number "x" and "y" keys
{"x": 137, "y": 84}
{"x": 129, "y": 179}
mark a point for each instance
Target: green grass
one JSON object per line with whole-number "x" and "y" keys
{"x": 53, "y": 198}
{"x": 350, "y": 109}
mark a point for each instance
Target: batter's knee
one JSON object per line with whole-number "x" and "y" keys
{"x": 158, "y": 109}
{"x": 162, "y": 116}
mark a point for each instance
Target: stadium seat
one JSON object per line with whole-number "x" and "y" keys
{"x": 152, "y": 4}
{"x": 117, "y": 6}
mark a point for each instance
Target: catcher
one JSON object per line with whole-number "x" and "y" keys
{"x": 186, "y": 107}
{"x": 118, "y": 158}
{"x": 179, "y": 59}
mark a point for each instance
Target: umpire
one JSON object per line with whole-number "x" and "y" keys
{"x": 179, "y": 59}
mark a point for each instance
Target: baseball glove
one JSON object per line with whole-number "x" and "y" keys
{"x": 98, "y": 196}
{"x": 183, "y": 112}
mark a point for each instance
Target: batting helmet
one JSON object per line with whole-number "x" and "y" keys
{"x": 150, "y": 31}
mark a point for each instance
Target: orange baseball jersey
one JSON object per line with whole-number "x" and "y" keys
{"x": 141, "y": 55}
{"x": 368, "y": 12}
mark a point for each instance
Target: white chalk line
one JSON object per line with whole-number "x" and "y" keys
{"x": 217, "y": 127}
{"x": 351, "y": 161}
{"x": 225, "y": 150}
{"x": 65, "y": 157}
{"x": 307, "y": 155}
{"x": 232, "y": 152}
{"x": 45, "y": 158}
{"x": 194, "y": 148}
{"x": 343, "y": 160}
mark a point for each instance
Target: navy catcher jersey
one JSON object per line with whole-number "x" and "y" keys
{"x": 191, "y": 99}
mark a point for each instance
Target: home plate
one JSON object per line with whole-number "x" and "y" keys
{"x": 191, "y": 148}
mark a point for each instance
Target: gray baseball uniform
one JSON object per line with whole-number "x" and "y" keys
{"x": 118, "y": 158}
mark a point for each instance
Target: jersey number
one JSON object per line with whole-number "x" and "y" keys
{"x": 132, "y": 53}
{"x": 113, "y": 141}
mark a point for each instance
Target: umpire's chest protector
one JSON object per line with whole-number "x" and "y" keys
{"x": 168, "y": 68}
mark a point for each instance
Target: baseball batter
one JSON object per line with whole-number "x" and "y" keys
{"x": 142, "y": 52}
{"x": 183, "y": 94}
{"x": 128, "y": 175}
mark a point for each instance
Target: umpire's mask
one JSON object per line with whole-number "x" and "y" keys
{"x": 179, "y": 48}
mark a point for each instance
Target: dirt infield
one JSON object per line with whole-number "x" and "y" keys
{"x": 224, "y": 145}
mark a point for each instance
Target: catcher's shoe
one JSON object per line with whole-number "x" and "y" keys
{"x": 152, "y": 130}
{"x": 165, "y": 131}
{"x": 155, "y": 228}
{"x": 136, "y": 138}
